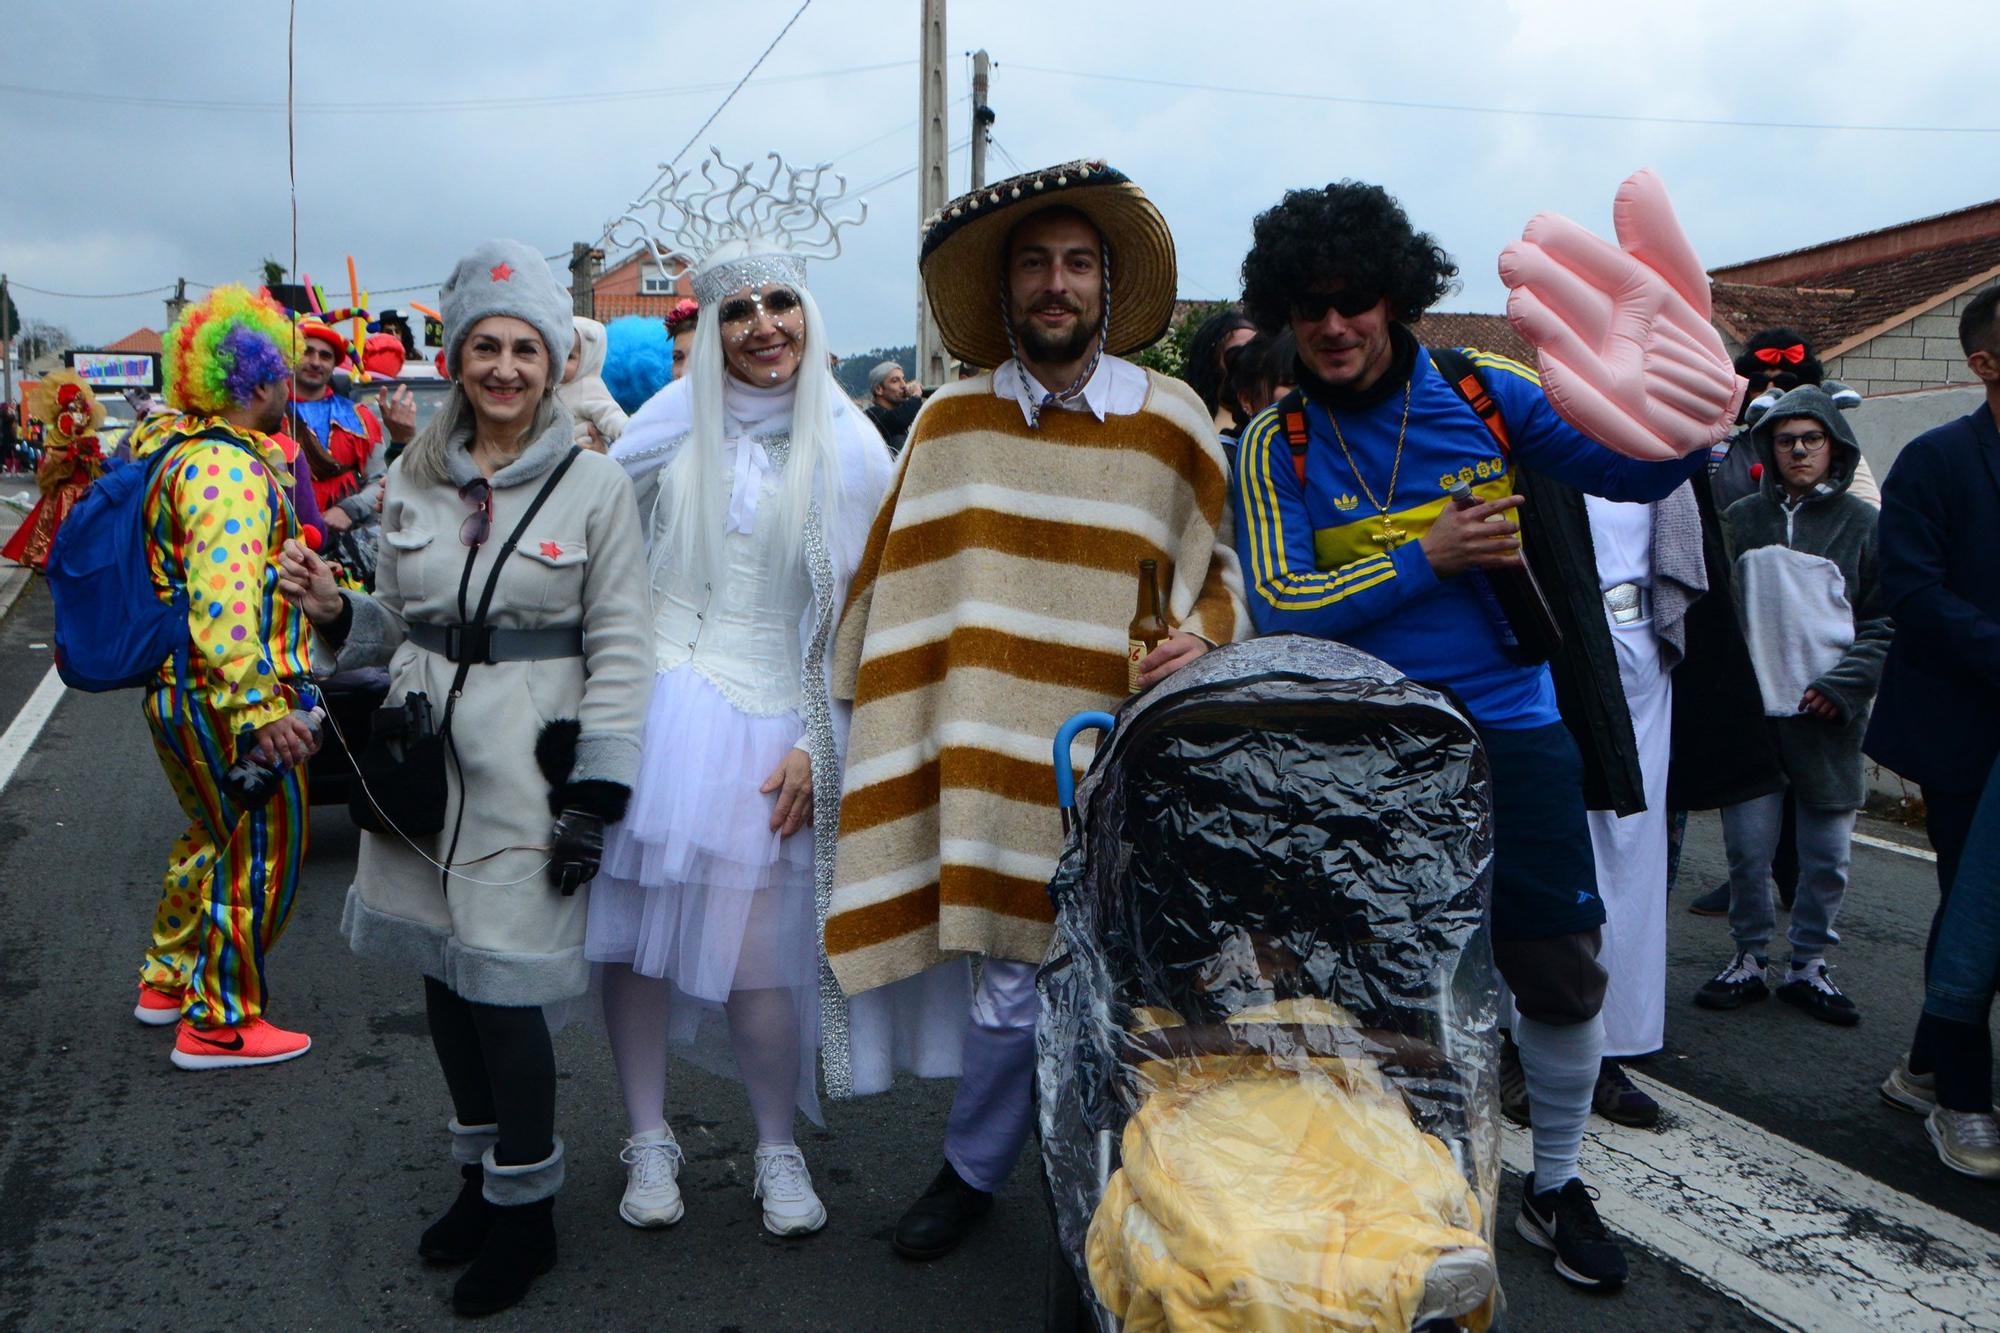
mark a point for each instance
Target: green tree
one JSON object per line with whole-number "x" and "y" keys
{"x": 274, "y": 272}
{"x": 10, "y": 318}
{"x": 1169, "y": 354}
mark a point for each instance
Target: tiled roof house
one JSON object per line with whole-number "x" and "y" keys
{"x": 1882, "y": 307}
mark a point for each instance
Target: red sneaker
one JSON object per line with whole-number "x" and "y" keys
{"x": 156, "y": 1008}
{"x": 254, "y": 1043}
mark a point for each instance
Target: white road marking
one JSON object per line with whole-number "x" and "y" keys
{"x": 27, "y": 725}
{"x": 1804, "y": 1242}
{"x": 1904, "y": 848}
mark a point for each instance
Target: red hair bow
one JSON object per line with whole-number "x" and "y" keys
{"x": 1771, "y": 356}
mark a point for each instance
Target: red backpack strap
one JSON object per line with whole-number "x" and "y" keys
{"x": 1291, "y": 411}
{"x": 1463, "y": 376}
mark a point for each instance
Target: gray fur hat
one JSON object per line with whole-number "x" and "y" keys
{"x": 506, "y": 278}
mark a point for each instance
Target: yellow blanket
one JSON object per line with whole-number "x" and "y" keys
{"x": 1276, "y": 1194}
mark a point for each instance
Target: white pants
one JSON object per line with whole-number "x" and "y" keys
{"x": 1631, "y": 856}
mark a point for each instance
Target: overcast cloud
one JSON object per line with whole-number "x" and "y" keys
{"x": 105, "y": 197}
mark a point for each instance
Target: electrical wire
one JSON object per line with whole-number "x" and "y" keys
{"x": 911, "y": 170}
{"x": 1502, "y": 110}
{"x": 667, "y": 167}
{"x": 99, "y": 296}
{"x": 419, "y": 106}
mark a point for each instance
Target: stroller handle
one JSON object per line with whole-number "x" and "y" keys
{"x": 1092, "y": 720}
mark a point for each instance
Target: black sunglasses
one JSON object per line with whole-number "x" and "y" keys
{"x": 1348, "y": 302}
{"x": 478, "y": 525}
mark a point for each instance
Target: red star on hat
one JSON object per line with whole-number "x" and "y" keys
{"x": 501, "y": 273}
{"x": 552, "y": 549}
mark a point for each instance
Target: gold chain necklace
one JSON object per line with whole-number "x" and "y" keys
{"x": 1390, "y": 534}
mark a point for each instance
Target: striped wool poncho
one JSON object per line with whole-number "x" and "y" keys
{"x": 991, "y": 605}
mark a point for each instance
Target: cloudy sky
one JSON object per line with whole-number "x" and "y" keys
{"x": 146, "y": 142}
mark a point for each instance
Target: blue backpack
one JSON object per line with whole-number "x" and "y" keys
{"x": 112, "y": 630}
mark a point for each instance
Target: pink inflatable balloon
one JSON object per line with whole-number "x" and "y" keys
{"x": 1621, "y": 332}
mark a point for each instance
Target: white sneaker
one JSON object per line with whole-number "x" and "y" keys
{"x": 1967, "y": 1141}
{"x": 652, "y": 1189}
{"x": 783, "y": 1183}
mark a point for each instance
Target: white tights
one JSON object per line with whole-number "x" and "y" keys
{"x": 763, "y": 1030}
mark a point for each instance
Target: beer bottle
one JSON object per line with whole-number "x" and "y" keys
{"x": 1148, "y": 629}
{"x": 1513, "y": 599}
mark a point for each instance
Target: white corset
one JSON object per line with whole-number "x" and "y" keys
{"x": 742, "y": 632}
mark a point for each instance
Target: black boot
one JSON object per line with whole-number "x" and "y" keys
{"x": 520, "y": 1247}
{"x": 941, "y": 1218}
{"x": 456, "y": 1237}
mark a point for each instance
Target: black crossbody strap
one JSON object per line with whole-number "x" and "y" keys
{"x": 493, "y": 576}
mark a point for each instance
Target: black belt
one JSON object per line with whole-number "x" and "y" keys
{"x": 483, "y": 643}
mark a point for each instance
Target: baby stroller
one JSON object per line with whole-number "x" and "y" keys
{"x": 1267, "y": 1056}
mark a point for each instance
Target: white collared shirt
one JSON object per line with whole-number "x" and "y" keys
{"x": 1117, "y": 388}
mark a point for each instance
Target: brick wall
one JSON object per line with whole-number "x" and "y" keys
{"x": 1919, "y": 353}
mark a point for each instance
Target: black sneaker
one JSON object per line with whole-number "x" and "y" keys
{"x": 1713, "y": 903}
{"x": 1565, "y": 1223}
{"x": 1736, "y": 985}
{"x": 1619, "y": 1100}
{"x": 1513, "y": 1082}
{"x": 1813, "y": 991}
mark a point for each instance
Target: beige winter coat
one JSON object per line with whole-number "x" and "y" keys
{"x": 497, "y": 933}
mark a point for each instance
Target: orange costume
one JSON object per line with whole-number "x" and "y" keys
{"x": 70, "y": 415}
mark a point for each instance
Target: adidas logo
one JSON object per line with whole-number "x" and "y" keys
{"x": 1345, "y": 503}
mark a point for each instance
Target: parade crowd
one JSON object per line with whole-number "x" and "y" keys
{"x": 719, "y": 706}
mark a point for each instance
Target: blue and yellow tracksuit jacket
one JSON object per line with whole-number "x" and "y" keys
{"x": 1311, "y": 564}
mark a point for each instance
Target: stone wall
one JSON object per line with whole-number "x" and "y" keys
{"x": 1919, "y": 353}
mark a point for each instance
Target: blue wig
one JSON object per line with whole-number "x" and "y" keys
{"x": 638, "y": 359}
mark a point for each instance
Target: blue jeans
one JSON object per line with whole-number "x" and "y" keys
{"x": 1966, "y": 965}
{"x": 1751, "y": 832}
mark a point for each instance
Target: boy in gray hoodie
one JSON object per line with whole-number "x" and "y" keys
{"x": 1804, "y": 560}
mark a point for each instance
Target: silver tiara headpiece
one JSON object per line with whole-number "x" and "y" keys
{"x": 737, "y": 227}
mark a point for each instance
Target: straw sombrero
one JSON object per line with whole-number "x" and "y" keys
{"x": 963, "y": 257}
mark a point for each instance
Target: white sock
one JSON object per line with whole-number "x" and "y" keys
{"x": 1561, "y": 1064}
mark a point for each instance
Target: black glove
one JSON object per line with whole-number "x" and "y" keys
{"x": 578, "y": 848}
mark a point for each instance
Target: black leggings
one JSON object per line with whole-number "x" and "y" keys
{"x": 500, "y": 1066}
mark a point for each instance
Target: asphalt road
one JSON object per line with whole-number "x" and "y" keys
{"x": 134, "y": 1195}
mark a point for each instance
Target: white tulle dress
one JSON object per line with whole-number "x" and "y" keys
{"x": 695, "y": 886}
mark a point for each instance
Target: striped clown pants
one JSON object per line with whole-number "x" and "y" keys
{"x": 231, "y": 877}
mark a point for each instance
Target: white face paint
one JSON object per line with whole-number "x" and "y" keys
{"x": 763, "y": 333}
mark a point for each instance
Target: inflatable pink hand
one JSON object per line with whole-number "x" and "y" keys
{"x": 1621, "y": 333}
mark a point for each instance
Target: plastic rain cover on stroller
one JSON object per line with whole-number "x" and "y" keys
{"x": 1267, "y": 1053}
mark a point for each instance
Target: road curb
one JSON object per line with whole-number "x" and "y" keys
{"x": 14, "y": 581}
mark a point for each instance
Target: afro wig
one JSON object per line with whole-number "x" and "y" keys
{"x": 1350, "y": 235}
{"x": 226, "y": 347}
{"x": 638, "y": 360}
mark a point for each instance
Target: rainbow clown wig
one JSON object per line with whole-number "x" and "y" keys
{"x": 226, "y": 347}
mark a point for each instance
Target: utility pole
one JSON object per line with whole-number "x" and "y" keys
{"x": 583, "y": 262}
{"x": 7, "y": 333}
{"x": 178, "y": 301}
{"x": 982, "y": 116}
{"x": 931, "y": 161}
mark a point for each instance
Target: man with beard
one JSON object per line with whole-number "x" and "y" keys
{"x": 342, "y": 441}
{"x": 216, "y": 517}
{"x": 990, "y": 606}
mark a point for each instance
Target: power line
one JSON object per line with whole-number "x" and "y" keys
{"x": 100, "y": 296}
{"x": 437, "y": 104}
{"x": 911, "y": 170}
{"x": 668, "y": 165}
{"x": 1504, "y": 110}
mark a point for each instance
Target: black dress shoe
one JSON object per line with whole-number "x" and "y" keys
{"x": 938, "y": 1221}
{"x": 456, "y": 1237}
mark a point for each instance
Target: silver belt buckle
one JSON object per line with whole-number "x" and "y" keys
{"x": 1625, "y": 603}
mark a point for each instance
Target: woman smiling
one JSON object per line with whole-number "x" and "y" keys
{"x": 512, "y": 597}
